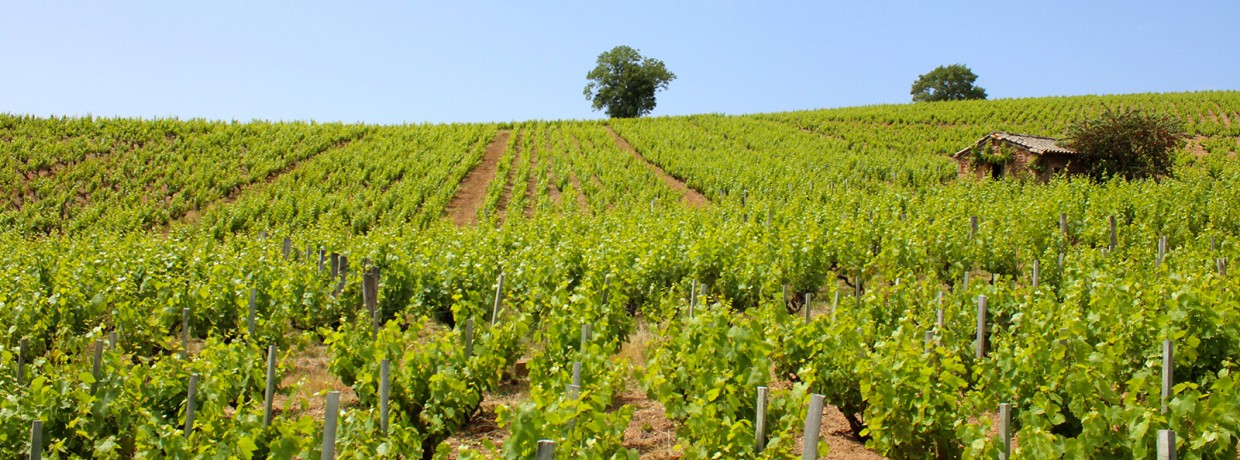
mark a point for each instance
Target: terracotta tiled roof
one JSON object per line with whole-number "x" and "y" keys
{"x": 1036, "y": 144}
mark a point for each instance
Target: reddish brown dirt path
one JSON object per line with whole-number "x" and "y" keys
{"x": 470, "y": 194}
{"x": 505, "y": 197}
{"x": 1194, "y": 146}
{"x": 531, "y": 182}
{"x": 572, "y": 178}
{"x": 650, "y": 432}
{"x": 581, "y": 193}
{"x": 691, "y": 198}
{"x": 554, "y": 191}
{"x": 843, "y": 445}
{"x": 26, "y": 177}
{"x": 25, "y": 190}
{"x": 192, "y": 215}
{"x": 483, "y": 428}
{"x": 1211, "y": 116}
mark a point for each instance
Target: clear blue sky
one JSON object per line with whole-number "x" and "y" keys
{"x": 393, "y": 62}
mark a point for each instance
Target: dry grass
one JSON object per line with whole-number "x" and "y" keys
{"x": 483, "y": 430}
{"x": 634, "y": 350}
{"x": 650, "y": 432}
{"x": 310, "y": 381}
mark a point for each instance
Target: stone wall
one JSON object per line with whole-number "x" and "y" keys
{"x": 1022, "y": 158}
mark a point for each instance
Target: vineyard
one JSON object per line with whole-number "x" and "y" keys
{"x": 199, "y": 289}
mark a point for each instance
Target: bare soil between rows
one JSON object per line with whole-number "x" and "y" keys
{"x": 650, "y": 432}
{"x": 472, "y": 192}
{"x": 505, "y": 197}
{"x": 690, "y": 197}
{"x": 194, "y": 214}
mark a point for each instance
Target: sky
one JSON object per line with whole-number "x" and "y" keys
{"x": 469, "y": 61}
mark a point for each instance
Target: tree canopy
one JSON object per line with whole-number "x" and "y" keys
{"x": 624, "y": 82}
{"x": 1126, "y": 143}
{"x": 947, "y": 83}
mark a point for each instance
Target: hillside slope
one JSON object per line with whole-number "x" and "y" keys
{"x": 71, "y": 175}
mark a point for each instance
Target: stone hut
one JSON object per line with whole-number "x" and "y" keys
{"x": 1001, "y": 154}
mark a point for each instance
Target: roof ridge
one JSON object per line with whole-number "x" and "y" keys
{"x": 1035, "y": 144}
{"x": 1026, "y": 135}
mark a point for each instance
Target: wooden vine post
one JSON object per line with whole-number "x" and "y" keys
{"x": 249, "y": 323}
{"x": 1167, "y": 373}
{"x": 344, "y": 272}
{"x": 587, "y": 333}
{"x": 938, "y": 322}
{"x": 1166, "y": 445}
{"x": 759, "y": 422}
{"x": 981, "y": 327}
{"x": 499, "y": 296}
{"x": 1162, "y": 251}
{"x": 36, "y": 440}
{"x": 813, "y": 427}
{"x": 1005, "y": 431}
{"x": 546, "y": 447}
{"x": 370, "y": 294}
{"x": 191, "y": 404}
{"x": 97, "y": 365}
{"x": 692, "y": 297}
{"x": 384, "y": 391}
{"x": 185, "y": 334}
{"x": 329, "y": 425}
{"x": 270, "y": 390}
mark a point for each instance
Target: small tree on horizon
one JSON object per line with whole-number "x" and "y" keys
{"x": 1126, "y": 143}
{"x": 624, "y": 82}
{"x": 947, "y": 83}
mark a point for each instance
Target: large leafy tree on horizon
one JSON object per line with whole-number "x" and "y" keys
{"x": 624, "y": 82}
{"x": 947, "y": 83}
